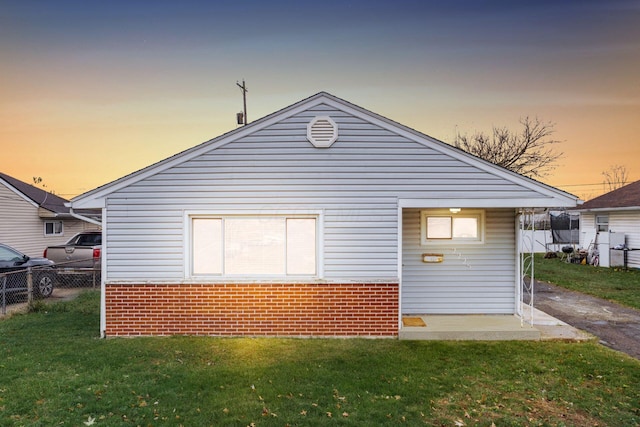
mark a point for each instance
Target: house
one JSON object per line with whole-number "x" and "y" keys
{"x": 321, "y": 219}
{"x": 611, "y": 220}
{"x": 32, "y": 219}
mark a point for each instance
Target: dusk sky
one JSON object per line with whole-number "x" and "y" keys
{"x": 94, "y": 90}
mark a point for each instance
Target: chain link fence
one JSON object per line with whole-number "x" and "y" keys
{"x": 28, "y": 284}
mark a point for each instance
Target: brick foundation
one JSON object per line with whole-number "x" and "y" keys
{"x": 354, "y": 309}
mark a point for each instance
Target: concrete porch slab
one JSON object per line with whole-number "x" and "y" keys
{"x": 470, "y": 327}
{"x": 534, "y": 326}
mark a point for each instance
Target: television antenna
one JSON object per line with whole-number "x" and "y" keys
{"x": 242, "y": 115}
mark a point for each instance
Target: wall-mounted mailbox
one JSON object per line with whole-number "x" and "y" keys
{"x": 432, "y": 258}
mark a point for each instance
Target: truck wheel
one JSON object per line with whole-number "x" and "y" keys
{"x": 44, "y": 285}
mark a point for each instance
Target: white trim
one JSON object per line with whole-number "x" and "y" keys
{"x": 322, "y": 143}
{"x": 90, "y": 198}
{"x": 54, "y": 234}
{"x": 626, "y": 208}
{"x": 399, "y": 255}
{"x": 518, "y": 262}
{"x": 19, "y": 193}
{"x": 320, "y": 244}
{"x": 188, "y": 215}
{"x": 103, "y": 275}
{"x": 555, "y": 197}
{"x": 84, "y": 218}
{"x": 449, "y": 150}
{"x": 480, "y": 203}
{"x": 479, "y": 214}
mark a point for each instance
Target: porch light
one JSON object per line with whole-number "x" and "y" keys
{"x": 454, "y": 210}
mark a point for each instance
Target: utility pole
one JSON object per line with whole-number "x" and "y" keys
{"x": 242, "y": 117}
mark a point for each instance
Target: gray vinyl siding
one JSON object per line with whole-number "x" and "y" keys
{"x": 356, "y": 183}
{"x": 22, "y": 228}
{"x": 473, "y": 278}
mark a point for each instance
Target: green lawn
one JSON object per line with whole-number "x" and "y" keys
{"x": 54, "y": 370}
{"x": 613, "y": 284}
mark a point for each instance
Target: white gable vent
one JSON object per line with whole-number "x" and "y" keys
{"x": 322, "y": 131}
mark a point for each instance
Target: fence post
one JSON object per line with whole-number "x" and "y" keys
{"x": 4, "y": 294}
{"x": 29, "y": 285}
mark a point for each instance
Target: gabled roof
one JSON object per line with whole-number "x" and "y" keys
{"x": 35, "y": 195}
{"x": 627, "y": 197}
{"x": 95, "y": 198}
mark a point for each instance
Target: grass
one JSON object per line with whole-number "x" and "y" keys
{"x": 613, "y": 284}
{"x": 54, "y": 370}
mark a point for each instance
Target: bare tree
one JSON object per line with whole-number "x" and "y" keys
{"x": 527, "y": 152}
{"x": 615, "y": 177}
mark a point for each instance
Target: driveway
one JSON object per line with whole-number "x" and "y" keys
{"x": 616, "y": 326}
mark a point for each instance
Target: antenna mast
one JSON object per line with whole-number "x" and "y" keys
{"x": 242, "y": 116}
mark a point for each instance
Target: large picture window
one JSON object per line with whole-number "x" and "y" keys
{"x": 254, "y": 245}
{"x": 440, "y": 226}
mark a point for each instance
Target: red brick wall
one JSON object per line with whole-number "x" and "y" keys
{"x": 354, "y": 309}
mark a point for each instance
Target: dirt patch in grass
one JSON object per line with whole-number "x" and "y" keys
{"x": 508, "y": 409}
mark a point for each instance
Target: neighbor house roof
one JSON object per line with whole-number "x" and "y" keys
{"x": 627, "y": 197}
{"x": 55, "y": 205}
{"x": 39, "y": 197}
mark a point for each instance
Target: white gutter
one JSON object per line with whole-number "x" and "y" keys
{"x": 620, "y": 209}
{"x": 84, "y": 218}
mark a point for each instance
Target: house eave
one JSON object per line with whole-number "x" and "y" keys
{"x": 487, "y": 203}
{"x": 552, "y": 197}
{"x": 609, "y": 209}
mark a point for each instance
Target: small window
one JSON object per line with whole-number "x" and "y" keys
{"x": 446, "y": 227}
{"x": 602, "y": 222}
{"x": 53, "y": 228}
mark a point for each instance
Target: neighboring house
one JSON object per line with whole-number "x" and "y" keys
{"x": 610, "y": 220}
{"x": 32, "y": 219}
{"x": 322, "y": 218}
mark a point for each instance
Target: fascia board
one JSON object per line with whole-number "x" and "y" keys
{"x": 620, "y": 209}
{"x": 483, "y": 203}
{"x": 91, "y": 198}
{"x": 456, "y": 153}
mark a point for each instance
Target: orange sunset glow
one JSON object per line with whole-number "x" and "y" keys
{"x": 92, "y": 91}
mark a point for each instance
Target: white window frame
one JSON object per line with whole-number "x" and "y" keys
{"x": 53, "y": 223}
{"x": 188, "y": 248}
{"x": 602, "y": 223}
{"x": 478, "y": 214}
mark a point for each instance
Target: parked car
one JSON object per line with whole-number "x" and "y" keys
{"x": 79, "y": 258}
{"x": 13, "y": 272}
{"x": 81, "y": 251}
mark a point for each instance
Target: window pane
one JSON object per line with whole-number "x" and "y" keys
{"x": 254, "y": 246}
{"x": 438, "y": 227}
{"x": 301, "y": 246}
{"x": 465, "y": 228}
{"x": 207, "y": 246}
{"x": 52, "y": 228}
